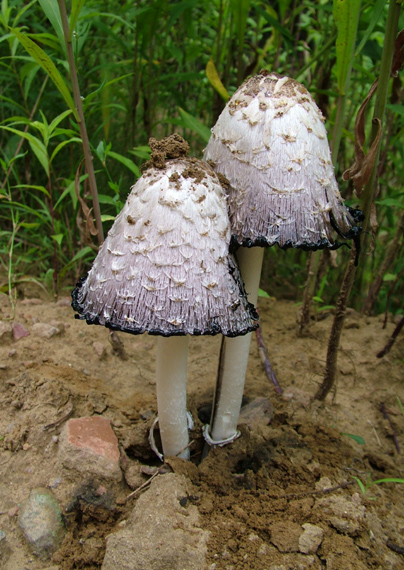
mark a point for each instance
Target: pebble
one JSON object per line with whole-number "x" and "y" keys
{"x": 310, "y": 539}
{"x": 44, "y": 330}
{"x": 90, "y": 446}
{"x": 41, "y": 522}
{"x": 259, "y": 411}
{"x": 100, "y": 349}
{"x": 19, "y": 331}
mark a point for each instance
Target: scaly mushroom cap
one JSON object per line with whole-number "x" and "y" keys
{"x": 271, "y": 144}
{"x": 164, "y": 267}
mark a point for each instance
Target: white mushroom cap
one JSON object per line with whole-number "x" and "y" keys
{"x": 271, "y": 144}
{"x": 164, "y": 267}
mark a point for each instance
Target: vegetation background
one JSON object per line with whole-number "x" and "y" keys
{"x": 149, "y": 68}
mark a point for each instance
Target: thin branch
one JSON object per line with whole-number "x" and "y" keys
{"x": 82, "y": 124}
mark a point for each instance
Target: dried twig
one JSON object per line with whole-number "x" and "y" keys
{"x": 159, "y": 470}
{"x": 265, "y": 361}
{"x": 65, "y": 417}
{"x": 386, "y": 417}
{"x": 392, "y": 339}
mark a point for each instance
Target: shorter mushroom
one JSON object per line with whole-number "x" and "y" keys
{"x": 165, "y": 269}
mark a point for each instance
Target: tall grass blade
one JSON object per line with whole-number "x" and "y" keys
{"x": 48, "y": 66}
{"x": 346, "y": 15}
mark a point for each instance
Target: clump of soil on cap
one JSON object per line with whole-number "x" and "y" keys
{"x": 253, "y": 496}
{"x": 172, "y": 147}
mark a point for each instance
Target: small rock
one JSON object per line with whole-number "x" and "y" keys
{"x": 58, "y": 325}
{"x": 310, "y": 539}
{"x": 133, "y": 475}
{"x": 344, "y": 515}
{"x": 12, "y": 352}
{"x": 160, "y": 533}
{"x": 41, "y": 522}
{"x": 44, "y": 330}
{"x": 259, "y": 411}
{"x": 13, "y": 512}
{"x": 285, "y": 536}
{"x": 32, "y": 301}
{"x": 19, "y": 331}
{"x": 64, "y": 302}
{"x": 100, "y": 349}
{"x": 89, "y": 445}
{"x": 6, "y": 331}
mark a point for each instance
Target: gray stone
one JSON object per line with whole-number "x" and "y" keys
{"x": 44, "y": 330}
{"x": 310, "y": 539}
{"x": 41, "y": 522}
{"x": 259, "y": 411}
{"x": 160, "y": 533}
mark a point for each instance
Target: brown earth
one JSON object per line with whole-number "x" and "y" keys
{"x": 253, "y": 495}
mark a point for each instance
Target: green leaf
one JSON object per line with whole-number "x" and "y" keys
{"x": 275, "y": 24}
{"x": 389, "y": 277}
{"x": 36, "y": 145}
{"x": 216, "y": 82}
{"x": 63, "y": 144}
{"x": 191, "y": 123}
{"x": 376, "y": 12}
{"x": 392, "y": 202}
{"x": 40, "y": 188}
{"x": 398, "y": 109}
{"x": 240, "y": 9}
{"x": 48, "y": 66}
{"x": 57, "y": 120}
{"x": 107, "y": 218}
{"x": 356, "y": 438}
{"x": 52, "y": 12}
{"x": 346, "y": 17}
{"x": 143, "y": 152}
{"x": 361, "y": 485}
{"x": 388, "y": 480}
{"x": 58, "y": 238}
{"x": 126, "y": 162}
{"x": 74, "y": 16}
{"x": 104, "y": 199}
{"x": 262, "y": 293}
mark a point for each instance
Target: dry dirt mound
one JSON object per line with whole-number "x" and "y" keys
{"x": 282, "y": 496}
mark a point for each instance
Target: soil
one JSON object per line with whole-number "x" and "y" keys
{"x": 253, "y": 495}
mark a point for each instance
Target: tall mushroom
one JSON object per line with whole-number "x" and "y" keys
{"x": 271, "y": 144}
{"x": 165, "y": 269}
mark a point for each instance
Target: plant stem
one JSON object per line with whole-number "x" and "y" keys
{"x": 82, "y": 124}
{"x": 368, "y": 197}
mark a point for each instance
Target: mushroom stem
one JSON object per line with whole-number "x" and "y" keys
{"x": 171, "y": 384}
{"x": 234, "y": 355}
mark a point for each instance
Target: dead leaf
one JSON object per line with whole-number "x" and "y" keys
{"x": 361, "y": 170}
{"x": 85, "y": 225}
{"x": 398, "y": 57}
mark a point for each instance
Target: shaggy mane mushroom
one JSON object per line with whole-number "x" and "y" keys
{"x": 271, "y": 144}
{"x": 165, "y": 269}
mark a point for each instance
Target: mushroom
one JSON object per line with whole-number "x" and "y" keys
{"x": 165, "y": 269}
{"x": 271, "y": 144}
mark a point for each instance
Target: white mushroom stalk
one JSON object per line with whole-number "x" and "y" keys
{"x": 271, "y": 144}
{"x": 165, "y": 269}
